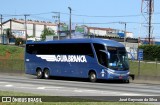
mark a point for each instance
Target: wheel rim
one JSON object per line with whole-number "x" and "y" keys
{"x": 39, "y": 73}
{"x": 46, "y": 74}
{"x": 93, "y": 76}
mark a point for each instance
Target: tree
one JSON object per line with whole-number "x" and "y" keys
{"x": 46, "y": 32}
{"x": 9, "y": 33}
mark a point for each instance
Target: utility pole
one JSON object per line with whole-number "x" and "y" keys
{"x": 58, "y": 23}
{"x": 70, "y": 22}
{"x": 125, "y": 25}
{"x": 26, "y": 35}
{"x": 125, "y": 34}
{"x": 1, "y": 24}
{"x": 2, "y": 28}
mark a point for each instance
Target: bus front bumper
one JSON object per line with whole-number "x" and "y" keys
{"x": 118, "y": 75}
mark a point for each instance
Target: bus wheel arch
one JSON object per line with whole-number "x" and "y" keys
{"x": 39, "y": 73}
{"x": 46, "y": 72}
{"x": 92, "y": 76}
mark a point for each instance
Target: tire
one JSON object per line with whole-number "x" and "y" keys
{"x": 46, "y": 74}
{"x": 127, "y": 81}
{"x": 92, "y": 77}
{"x": 39, "y": 74}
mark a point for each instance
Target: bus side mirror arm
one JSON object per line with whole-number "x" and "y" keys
{"x": 107, "y": 53}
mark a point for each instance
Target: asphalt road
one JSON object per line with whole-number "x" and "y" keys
{"x": 30, "y": 84}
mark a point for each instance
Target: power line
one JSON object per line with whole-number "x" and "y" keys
{"x": 114, "y": 23}
{"x": 116, "y": 16}
{"x": 107, "y": 16}
{"x": 81, "y": 15}
{"x": 45, "y": 13}
{"x": 41, "y": 18}
{"x": 11, "y": 15}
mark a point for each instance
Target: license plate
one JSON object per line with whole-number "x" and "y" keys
{"x": 120, "y": 77}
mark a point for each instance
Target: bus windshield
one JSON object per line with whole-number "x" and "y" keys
{"x": 118, "y": 58}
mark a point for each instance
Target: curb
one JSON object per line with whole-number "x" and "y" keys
{"x": 146, "y": 80}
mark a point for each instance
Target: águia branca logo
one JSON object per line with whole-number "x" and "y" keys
{"x": 63, "y": 58}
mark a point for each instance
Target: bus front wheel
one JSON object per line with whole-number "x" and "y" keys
{"x": 92, "y": 76}
{"x": 127, "y": 81}
{"x": 46, "y": 74}
{"x": 39, "y": 74}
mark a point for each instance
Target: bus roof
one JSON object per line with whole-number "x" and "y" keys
{"x": 106, "y": 42}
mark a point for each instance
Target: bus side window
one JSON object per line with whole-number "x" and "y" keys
{"x": 102, "y": 57}
{"x": 74, "y": 49}
{"x": 31, "y": 49}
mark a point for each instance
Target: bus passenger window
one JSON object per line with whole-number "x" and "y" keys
{"x": 103, "y": 59}
{"x": 102, "y": 56}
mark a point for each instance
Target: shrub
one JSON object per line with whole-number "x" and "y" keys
{"x": 19, "y": 41}
{"x": 150, "y": 52}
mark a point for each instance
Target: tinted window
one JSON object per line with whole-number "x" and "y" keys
{"x": 102, "y": 57}
{"x": 69, "y": 49}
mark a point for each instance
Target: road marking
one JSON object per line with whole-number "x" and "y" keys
{"x": 40, "y": 87}
{"x": 78, "y": 90}
{"x": 130, "y": 94}
{"x": 3, "y": 82}
{"x": 90, "y": 90}
{"x": 54, "y": 87}
{"x": 83, "y": 90}
{"x": 106, "y": 92}
{"x": 8, "y": 85}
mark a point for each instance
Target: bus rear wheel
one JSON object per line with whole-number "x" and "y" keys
{"x": 46, "y": 74}
{"x": 39, "y": 74}
{"x": 92, "y": 77}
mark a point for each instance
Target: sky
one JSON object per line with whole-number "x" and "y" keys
{"x": 94, "y": 13}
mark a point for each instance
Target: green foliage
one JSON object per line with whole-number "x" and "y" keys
{"x": 14, "y": 51}
{"x": 64, "y": 27}
{"x": 9, "y": 33}
{"x": 30, "y": 36}
{"x": 19, "y": 41}
{"x": 151, "y": 52}
{"x": 47, "y": 31}
{"x": 146, "y": 68}
{"x": 79, "y": 29}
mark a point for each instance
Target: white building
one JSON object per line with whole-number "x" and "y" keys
{"x": 34, "y": 28}
{"x": 106, "y": 32}
{"x": 102, "y": 31}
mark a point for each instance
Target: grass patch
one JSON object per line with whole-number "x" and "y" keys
{"x": 11, "y": 58}
{"x": 12, "y": 65}
{"x": 11, "y": 93}
{"x": 8, "y": 93}
{"x": 11, "y": 52}
{"x": 146, "y": 69}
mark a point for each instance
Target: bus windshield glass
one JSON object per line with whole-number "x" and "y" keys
{"x": 118, "y": 58}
